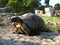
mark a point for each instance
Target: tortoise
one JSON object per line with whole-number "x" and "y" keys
{"x": 29, "y": 24}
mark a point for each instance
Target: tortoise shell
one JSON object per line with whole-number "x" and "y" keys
{"x": 33, "y": 22}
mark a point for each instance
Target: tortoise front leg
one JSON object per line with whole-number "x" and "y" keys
{"x": 25, "y": 29}
{"x": 16, "y": 31}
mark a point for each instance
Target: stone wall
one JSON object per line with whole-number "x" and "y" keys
{"x": 49, "y": 11}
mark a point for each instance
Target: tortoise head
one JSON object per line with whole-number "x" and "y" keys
{"x": 16, "y": 21}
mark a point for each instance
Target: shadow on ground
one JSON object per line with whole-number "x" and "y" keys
{"x": 13, "y": 42}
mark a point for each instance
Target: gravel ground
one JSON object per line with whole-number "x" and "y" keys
{"x": 8, "y": 38}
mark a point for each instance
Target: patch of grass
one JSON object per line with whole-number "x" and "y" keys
{"x": 51, "y": 23}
